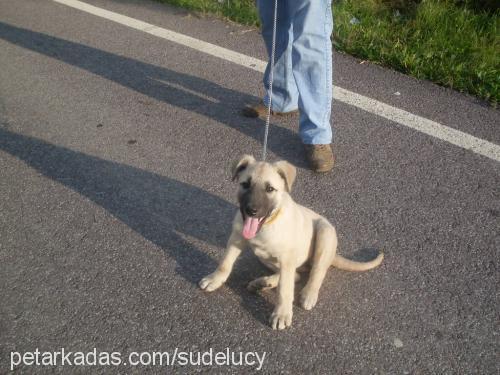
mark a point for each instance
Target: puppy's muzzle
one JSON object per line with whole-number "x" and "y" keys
{"x": 250, "y": 211}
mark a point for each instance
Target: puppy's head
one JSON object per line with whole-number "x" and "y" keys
{"x": 262, "y": 187}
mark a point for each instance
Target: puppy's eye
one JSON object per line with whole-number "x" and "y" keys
{"x": 270, "y": 189}
{"x": 245, "y": 185}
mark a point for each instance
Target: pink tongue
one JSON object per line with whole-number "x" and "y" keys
{"x": 250, "y": 227}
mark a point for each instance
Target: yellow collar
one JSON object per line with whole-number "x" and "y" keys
{"x": 270, "y": 219}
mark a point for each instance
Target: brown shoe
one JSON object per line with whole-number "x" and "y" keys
{"x": 260, "y": 110}
{"x": 320, "y": 157}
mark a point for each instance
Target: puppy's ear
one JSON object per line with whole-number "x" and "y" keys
{"x": 240, "y": 165}
{"x": 288, "y": 172}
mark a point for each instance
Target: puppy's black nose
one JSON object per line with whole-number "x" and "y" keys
{"x": 250, "y": 211}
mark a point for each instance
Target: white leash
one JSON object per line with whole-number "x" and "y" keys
{"x": 271, "y": 77}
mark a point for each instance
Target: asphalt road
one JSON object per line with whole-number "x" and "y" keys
{"x": 115, "y": 199}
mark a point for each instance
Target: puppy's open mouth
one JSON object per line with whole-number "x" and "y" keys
{"x": 251, "y": 225}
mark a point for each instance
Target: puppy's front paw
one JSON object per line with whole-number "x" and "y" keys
{"x": 281, "y": 317}
{"x": 308, "y": 298}
{"x": 212, "y": 282}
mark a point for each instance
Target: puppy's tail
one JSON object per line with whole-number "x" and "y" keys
{"x": 350, "y": 265}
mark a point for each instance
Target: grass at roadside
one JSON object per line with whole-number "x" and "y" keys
{"x": 241, "y": 11}
{"x": 436, "y": 40}
{"x": 452, "y": 46}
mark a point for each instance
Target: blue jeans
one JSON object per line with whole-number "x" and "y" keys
{"x": 303, "y": 63}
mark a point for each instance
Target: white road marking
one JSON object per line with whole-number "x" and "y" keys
{"x": 399, "y": 116}
{"x": 172, "y": 36}
{"x": 421, "y": 124}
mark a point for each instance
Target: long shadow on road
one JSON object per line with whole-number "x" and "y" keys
{"x": 161, "y": 209}
{"x": 160, "y": 83}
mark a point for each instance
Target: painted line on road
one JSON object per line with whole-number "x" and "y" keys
{"x": 394, "y": 114}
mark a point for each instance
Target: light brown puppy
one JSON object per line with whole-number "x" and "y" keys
{"x": 285, "y": 236}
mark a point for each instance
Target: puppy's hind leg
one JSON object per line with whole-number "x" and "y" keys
{"x": 324, "y": 252}
{"x": 267, "y": 282}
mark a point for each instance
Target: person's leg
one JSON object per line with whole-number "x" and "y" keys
{"x": 312, "y": 67}
{"x": 285, "y": 93}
